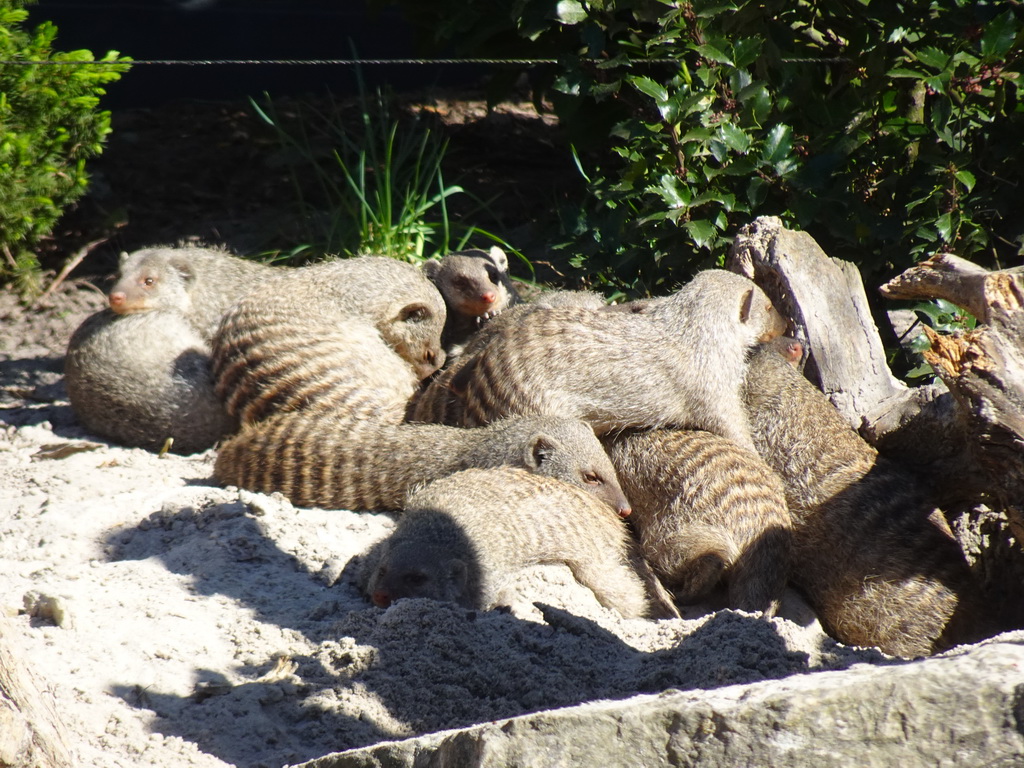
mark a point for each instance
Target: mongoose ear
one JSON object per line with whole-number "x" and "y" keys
{"x": 414, "y": 313}
{"x": 499, "y": 258}
{"x": 539, "y": 451}
{"x": 122, "y": 259}
{"x": 184, "y": 268}
{"x": 431, "y": 268}
{"x": 747, "y": 305}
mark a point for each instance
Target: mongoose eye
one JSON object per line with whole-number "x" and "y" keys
{"x": 415, "y": 579}
{"x": 148, "y": 281}
{"x": 462, "y": 283}
{"x": 592, "y": 478}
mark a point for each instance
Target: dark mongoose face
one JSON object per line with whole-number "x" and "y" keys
{"x": 412, "y": 569}
{"x": 790, "y": 349}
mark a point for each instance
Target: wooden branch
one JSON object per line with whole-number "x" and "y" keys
{"x": 73, "y": 261}
{"x": 984, "y": 370}
{"x": 986, "y": 295}
{"x": 959, "y": 439}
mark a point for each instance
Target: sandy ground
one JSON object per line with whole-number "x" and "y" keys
{"x": 177, "y": 623}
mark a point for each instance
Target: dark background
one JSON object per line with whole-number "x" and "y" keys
{"x": 243, "y": 29}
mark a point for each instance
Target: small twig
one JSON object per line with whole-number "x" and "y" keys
{"x": 69, "y": 265}
{"x": 10, "y": 258}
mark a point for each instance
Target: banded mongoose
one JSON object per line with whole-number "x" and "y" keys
{"x": 475, "y": 286}
{"x": 874, "y": 557}
{"x": 462, "y": 538}
{"x": 142, "y": 378}
{"x": 679, "y": 363}
{"x": 437, "y": 403}
{"x": 338, "y": 332}
{"x": 362, "y": 464}
{"x": 706, "y": 510}
{"x": 201, "y": 283}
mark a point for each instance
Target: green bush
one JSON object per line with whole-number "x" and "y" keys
{"x": 49, "y": 126}
{"x": 887, "y": 130}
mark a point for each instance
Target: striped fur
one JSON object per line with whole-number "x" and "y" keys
{"x": 678, "y": 363}
{"x": 142, "y": 378}
{"x": 354, "y": 336}
{"x": 316, "y": 459}
{"x": 705, "y": 509}
{"x": 283, "y": 365}
{"x": 462, "y": 538}
{"x": 874, "y": 557}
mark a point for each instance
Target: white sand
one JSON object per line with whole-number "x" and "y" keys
{"x": 208, "y": 627}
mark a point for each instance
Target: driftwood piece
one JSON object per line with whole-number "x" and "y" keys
{"x": 989, "y": 296}
{"x": 963, "y": 436}
{"x": 939, "y": 433}
{"x": 31, "y": 735}
{"x": 983, "y": 368}
{"x": 824, "y": 299}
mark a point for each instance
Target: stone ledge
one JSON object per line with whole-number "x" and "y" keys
{"x": 965, "y": 708}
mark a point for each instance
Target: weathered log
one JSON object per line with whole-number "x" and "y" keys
{"x": 31, "y": 735}
{"x": 824, "y": 299}
{"x": 965, "y": 434}
{"x": 929, "y": 428}
{"x": 989, "y": 296}
{"x": 983, "y": 368}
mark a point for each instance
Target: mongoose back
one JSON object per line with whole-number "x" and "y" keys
{"x": 437, "y": 403}
{"x": 876, "y": 560}
{"x": 298, "y": 365}
{"x": 140, "y": 379}
{"x": 463, "y": 537}
{"x": 334, "y": 463}
{"x": 705, "y": 510}
{"x": 200, "y": 283}
{"x": 680, "y": 363}
{"x": 475, "y": 286}
{"x": 329, "y": 333}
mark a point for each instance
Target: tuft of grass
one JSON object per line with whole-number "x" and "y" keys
{"x": 373, "y": 187}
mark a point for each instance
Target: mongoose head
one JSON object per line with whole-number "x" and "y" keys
{"x": 790, "y": 349}
{"x": 414, "y": 332}
{"x": 568, "y": 450}
{"x": 757, "y": 310}
{"x": 474, "y": 283}
{"x": 405, "y": 308}
{"x": 418, "y": 569}
{"x": 153, "y": 278}
{"x": 722, "y": 294}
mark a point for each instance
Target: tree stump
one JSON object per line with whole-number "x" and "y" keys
{"x": 965, "y": 435}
